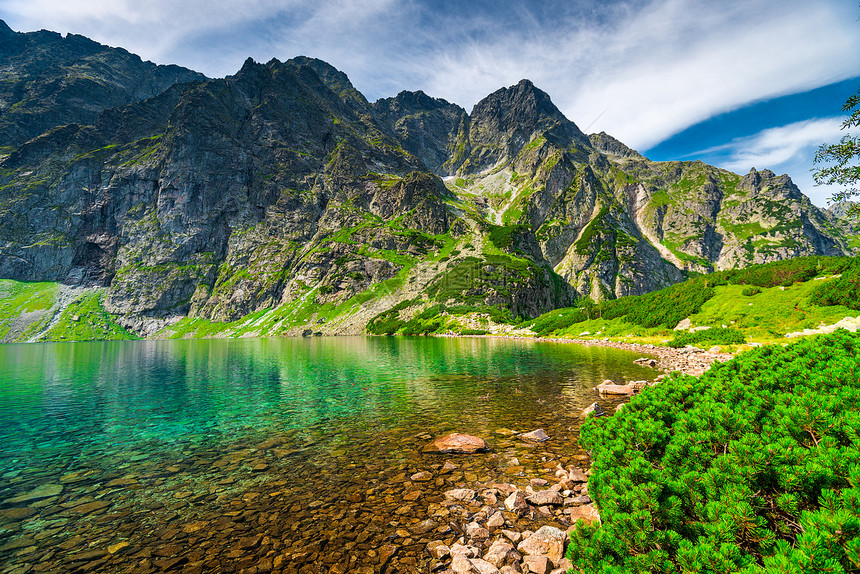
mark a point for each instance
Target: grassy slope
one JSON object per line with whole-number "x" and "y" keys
{"x": 764, "y": 317}
{"x": 27, "y": 309}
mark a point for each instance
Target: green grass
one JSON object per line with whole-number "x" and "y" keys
{"x": 86, "y": 320}
{"x": 17, "y": 297}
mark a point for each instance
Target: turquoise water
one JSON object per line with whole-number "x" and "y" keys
{"x": 148, "y": 431}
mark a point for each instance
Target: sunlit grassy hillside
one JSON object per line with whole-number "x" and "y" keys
{"x": 762, "y": 303}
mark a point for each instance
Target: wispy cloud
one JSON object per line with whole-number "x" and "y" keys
{"x": 777, "y": 146}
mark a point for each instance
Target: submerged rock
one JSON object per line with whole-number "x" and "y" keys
{"x": 608, "y": 388}
{"x": 538, "y": 435}
{"x": 456, "y": 443}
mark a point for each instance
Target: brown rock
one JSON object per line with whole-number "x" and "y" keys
{"x": 460, "y": 494}
{"x": 16, "y": 514}
{"x": 386, "y": 552}
{"x": 546, "y": 497}
{"x": 611, "y": 389}
{"x": 516, "y": 502}
{"x": 438, "y": 549}
{"x": 538, "y": 564}
{"x": 457, "y": 443}
{"x": 477, "y": 532}
{"x": 422, "y": 476}
{"x": 576, "y": 475}
{"x": 588, "y": 513}
{"x": 483, "y": 567}
{"x": 250, "y": 542}
{"x": 461, "y": 565}
{"x": 43, "y": 491}
{"x": 423, "y": 527}
{"x": 501, "y": 553}
{"x": 496, "y": 521}
{"x": 547, "y": 541}
{"x": 91, "y": 506}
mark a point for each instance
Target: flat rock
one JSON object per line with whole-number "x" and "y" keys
{"x": 588, "y": 513}
{"x": 546, "y": 497}
{"x": 538, "y": 435}
{"x": 460, "y": 494}
{"x": 456, "y": 443}
{"x": 576, "y": 475}
{"x": 422, "y": 476}
{"x": 611, "y": 389}
{"x": 43, "y": 491}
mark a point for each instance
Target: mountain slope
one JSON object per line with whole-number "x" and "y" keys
{"x": 279, "y": 200}
{"x": 49, "y": 80}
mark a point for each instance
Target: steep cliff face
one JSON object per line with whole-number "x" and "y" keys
{"x": 425, "y": 126}
{"x": 279, "y": 199}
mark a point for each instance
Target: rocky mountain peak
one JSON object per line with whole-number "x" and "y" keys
{"x": 508, "y": 119}
{"x": 607, "y": 144}
{"x": 334, "y": 79}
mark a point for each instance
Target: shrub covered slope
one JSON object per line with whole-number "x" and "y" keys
{"x": 722, "y": 297}
{"x": 754, "y": 466}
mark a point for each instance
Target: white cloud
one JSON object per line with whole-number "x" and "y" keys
{"x": 777, "y": 146}
{"x": 665, "y": 65}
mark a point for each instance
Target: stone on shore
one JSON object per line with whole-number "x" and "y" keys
{"x": 516, "y": 503}
{"x": 548, "y": 541}
{"x": 546, "y": 497}
{"x": 537, "y": 564}
{"x": 456, "y": 443}
{"x": 605, "y": 388}
{"x": 588, "y": 513}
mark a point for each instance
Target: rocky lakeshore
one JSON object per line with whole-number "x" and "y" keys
{"x": 508, "y": 530}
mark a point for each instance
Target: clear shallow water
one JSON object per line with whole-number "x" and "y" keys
{"x": 295, "y": 440}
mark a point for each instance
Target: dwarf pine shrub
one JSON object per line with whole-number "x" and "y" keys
{"x": 752, "y": 467}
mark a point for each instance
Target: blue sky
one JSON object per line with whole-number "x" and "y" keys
{"x": 736, "y": 83}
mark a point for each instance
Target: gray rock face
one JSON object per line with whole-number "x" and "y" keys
{"x": 49, "y": 80}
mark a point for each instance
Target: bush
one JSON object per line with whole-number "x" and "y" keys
{"x": 666, "y": 308}
{"x": 712, "y": 336}
{"x": 752, "y": 467}
{"x": 750, "y": 291}
{"x": 786, "y": 273}
{"x": 842, "y": 291}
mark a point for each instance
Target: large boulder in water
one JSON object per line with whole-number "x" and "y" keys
{"x": 456, "y": 443}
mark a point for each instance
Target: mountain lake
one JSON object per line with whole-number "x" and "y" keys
{"x": 259, "y": 455}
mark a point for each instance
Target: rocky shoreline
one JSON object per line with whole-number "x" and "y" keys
{"x": 507, "y": 530}
{"x": 688, "y": 360}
